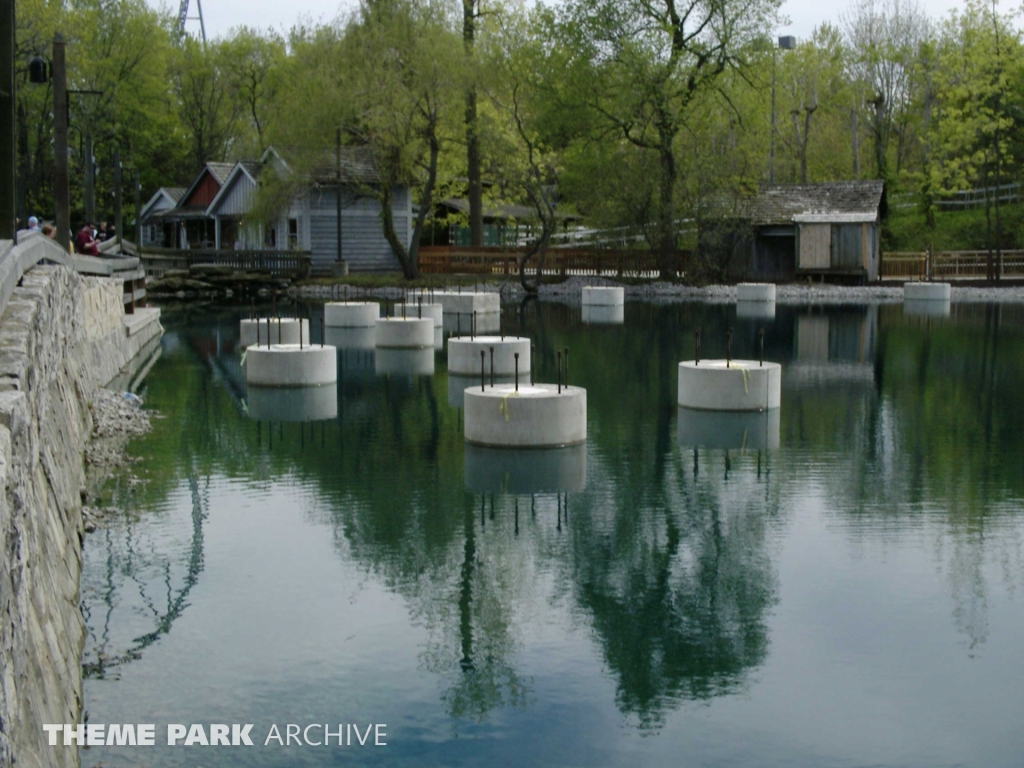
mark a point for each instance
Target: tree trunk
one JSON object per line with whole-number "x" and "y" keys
{"x": 879, "y": 130}
{"x": 474, "y": 185}
{"x": 409, "y": 257}
{"x": 666, "y": 206}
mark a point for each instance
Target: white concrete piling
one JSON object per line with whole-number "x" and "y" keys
{"x": 737, "y": 385}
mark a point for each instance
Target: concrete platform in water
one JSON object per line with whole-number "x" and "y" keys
{"x": 291, "y": 365}
{"x": 405, "y": 333}
{"x": 464, "y": 355}
{"x": 351, "y": 314}
{"x": 737, "y": 385}
{"x": 535, "y": 416}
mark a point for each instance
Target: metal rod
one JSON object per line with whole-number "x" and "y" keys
{"x": 268, "y": 332}
{"x": 728, "y": 348}
{"x": 559, "y": 377}
{"x": 419, "y": 306}
{"x": 482, "y": 379}
{"x": 566, "y": 367}
{"x": 322, "y": 334}
{"x": 760, "y": 361}
{"x": 492, "y": 366}
{"x": 533, "y": 362}
{"x": 458, "y": 324}
{"x": 472, "y": 328}
{"x": 279, "y": 330}
{"x": 516, "y": 356}
{"x": 696, "y": 354}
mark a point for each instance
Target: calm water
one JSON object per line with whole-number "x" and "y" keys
{"x": 851, "y": 597}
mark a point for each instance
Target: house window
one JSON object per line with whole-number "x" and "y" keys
{"x": 293, "y": 234}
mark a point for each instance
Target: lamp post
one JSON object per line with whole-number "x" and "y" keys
{"x": 786, "y": 43}
{"x": 61, "y": 202}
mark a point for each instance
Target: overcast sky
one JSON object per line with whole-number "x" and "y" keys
{"x": 221, "y": 15}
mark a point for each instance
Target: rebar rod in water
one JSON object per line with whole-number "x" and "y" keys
{"x": 482, "y": 379}
{"x": 419, "y": 306}
{"x": 492, "y": 366}
{"x": 728, "y": 348}
{"x": 566, "y": 367}
{"x": 516, "y": 356}
{"x": 533, "y": 363}
{"x": 268, "y": 332}
{"x": 559, "y": 376}
{"x": 472, "y": 327}
{"x": 279, "y": 330}
{"x": 696, "y": 354}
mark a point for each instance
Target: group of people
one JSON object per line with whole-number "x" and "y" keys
{"x": 87, "y": 239}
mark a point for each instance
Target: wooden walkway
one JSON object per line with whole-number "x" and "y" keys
{"x": 295, "y": 264}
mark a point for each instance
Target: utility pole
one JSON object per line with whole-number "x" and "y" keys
{"x": 61, "y": 203}
{"x": 118, "y": 219}
{"x": 8, "y": 228}
{"x": 786, "y": 43}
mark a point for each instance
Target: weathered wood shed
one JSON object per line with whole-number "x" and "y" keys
{"x": 826, "y": 229}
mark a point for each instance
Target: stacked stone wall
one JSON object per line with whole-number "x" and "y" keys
{"x": 61, "y": 337}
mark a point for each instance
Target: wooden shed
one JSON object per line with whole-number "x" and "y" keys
{"x": 829, "y": 229}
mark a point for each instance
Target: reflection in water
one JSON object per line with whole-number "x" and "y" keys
{"x": 133, "y": 578}
{"x": 644, "y": 566}
{"x": 292, "y": 403}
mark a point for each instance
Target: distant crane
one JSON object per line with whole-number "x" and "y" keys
{"x": 183, "y": 17}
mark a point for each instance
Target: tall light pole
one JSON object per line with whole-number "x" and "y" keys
{"x": 786, "y": 43}
{"x": 61, "y": 202}
{"x": 7, "y": 145}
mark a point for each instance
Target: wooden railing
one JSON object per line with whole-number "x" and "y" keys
{"x": 286, "y": 263}
{"x": 948, "y": 265}
{"x": 562, "y": 262}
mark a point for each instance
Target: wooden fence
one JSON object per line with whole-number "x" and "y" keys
{"x": 285, "y": 263}
{"x": 562, "y": 262}
{"x": 947, "y": 265}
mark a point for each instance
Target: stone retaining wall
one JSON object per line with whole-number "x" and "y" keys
{"x": 61, "y": 337}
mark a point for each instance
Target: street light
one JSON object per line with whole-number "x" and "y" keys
{"x": 786, "y": 43}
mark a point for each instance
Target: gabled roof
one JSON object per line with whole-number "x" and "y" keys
{"x": 243, "y": 168}
{"x": 170, "y": 195}
{"x": 219, "y": 172}
{"x": 834, "y": 202}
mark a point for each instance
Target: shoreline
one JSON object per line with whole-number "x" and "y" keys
{"x": 660, "y": 291}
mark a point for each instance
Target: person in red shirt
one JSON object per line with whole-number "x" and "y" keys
{"x": 84, "y": 243}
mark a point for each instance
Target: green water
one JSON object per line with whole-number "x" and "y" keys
{"x": 851, "y": 597}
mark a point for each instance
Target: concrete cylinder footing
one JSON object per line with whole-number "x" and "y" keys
{"x": 283, "y": 330}
{"x": 755, "y": 310}
{"x": 927, "y": 292}
{"x": 927, "y": 307}
{"x": 743, "y": 430}
{"x": 481, "y": 302}
{"x": 458, "y": 384}
{"x": 609, "y": 314}
{"x": 351, "y": 314}
{"x": 434, "y": 312}
{"x": 407, "y": 333}
{"x": 600, "y": 295}
{"x": 289, "y": 365}
{"x": 522, "y": 471}
{"x": 755, "y": 292}
{"x": 404, "y": 362}
{"x": 464, "y": 355}
{"x": 537, "y": 416}
{"x": 489, "y": 322}
{"x": 743, "y": 385}
{"x": 292, "y": 403}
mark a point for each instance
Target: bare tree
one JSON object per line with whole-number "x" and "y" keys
{"x": 885, "y": 37}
